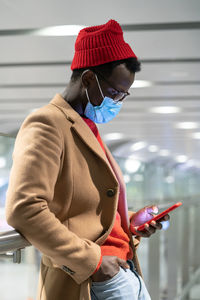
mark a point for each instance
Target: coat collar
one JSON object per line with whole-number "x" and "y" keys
{"x": 81, "y": 128}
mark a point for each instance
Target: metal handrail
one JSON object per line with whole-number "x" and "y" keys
{"x": 11, "y": 241}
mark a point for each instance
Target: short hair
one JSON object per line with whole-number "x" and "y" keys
{"x": 132, "y": 64}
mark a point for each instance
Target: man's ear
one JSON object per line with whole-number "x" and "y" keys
{"x": 87, "y": 78}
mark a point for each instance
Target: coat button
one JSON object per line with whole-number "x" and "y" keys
{"x": 110, "y": 193}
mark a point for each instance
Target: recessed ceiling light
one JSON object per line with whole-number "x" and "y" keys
{"x": 132, "y": 165}
{"x": 138, "y": 146}
{"x": 113, "y": 136}
{"x": 141, "y": 84}
{"x": 62, "y": 30}
{"x": 164, "y": 152}
{"x": 165, "y": 110}
{"x": 187, "y": 125}
{"x": 196, "y": 135}
{"x": 153, "y": 148}
{"x": 181, "y": 158}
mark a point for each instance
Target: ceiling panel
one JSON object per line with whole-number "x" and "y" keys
{"x": 37, "y": 13}
{"x": 164, "y": 34}
{"x": 147, "y": 45}
{"x": 159, "y": 72}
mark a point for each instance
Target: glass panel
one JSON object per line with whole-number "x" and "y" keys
{"x": 19, "y": 281}
{"x": 167, "y": 258}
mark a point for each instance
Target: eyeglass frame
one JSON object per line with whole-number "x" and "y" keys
{"x": 124, "y": 94}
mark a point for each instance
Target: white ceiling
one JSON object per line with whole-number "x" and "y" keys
{"x": 34, "y": 68}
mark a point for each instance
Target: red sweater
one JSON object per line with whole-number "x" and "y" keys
{"x": 117, "y": 243}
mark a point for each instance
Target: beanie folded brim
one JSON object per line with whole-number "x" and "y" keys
{"x": 98, "y": 56}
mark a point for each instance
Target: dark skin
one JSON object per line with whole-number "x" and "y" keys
{"x": 121, "y": 79}
{"x": 75, "y": 95}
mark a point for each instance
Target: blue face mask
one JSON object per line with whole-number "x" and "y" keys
{"x": 104, "y": 112}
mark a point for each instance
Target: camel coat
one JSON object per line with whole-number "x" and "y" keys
{"x": 63, "y": 196}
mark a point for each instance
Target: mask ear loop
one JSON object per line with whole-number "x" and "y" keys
{"x": 99, "y": 86}
{"x": 86, "y": 91}
{"x": 94, "y": 110}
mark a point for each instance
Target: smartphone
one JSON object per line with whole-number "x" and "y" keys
{"x": 159, "y": 216}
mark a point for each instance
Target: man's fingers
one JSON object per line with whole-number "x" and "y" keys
{"x": 143, "y": 233}
{"x": 150, "y": 229}
{"x": 156, "y": 225}
{"x": 166, "y": 218}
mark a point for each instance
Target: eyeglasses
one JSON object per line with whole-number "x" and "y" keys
{"x": 116, "y": 95}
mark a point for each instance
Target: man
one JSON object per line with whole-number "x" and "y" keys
{"x": 66, "y": 193}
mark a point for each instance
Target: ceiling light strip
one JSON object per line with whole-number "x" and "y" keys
{"x": 69, "y": 30}
{"x": 65, "y": 63}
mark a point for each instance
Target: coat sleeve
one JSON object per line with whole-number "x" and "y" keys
{"x": 35, "y": 170}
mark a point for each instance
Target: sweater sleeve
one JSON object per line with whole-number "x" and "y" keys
{"x": 35, "y": 170}
{"x": 136, "y": 239}
{"x": 98, "y": 266}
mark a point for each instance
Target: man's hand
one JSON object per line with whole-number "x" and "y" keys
{"x": 109, "y": 268}
{"x": 144, "y": 215}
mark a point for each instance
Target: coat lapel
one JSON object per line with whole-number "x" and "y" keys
{"x": 81, "y": 129}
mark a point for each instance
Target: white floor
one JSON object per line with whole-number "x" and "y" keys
{"x": 18, "y": 281}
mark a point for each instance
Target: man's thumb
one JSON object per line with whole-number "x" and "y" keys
{"x": 152, "y": 209}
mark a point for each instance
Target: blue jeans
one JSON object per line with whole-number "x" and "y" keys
{"x": 126, "y": 284}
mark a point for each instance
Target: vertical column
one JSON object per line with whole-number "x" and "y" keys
{"x": 173, "y": 254}
{"x": 195, "y": 291}
{"x": 154, "y": 266}
{"x": 196, "y": 249}
{"x": 185, "y": 243}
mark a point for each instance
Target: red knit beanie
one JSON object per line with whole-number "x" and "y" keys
{"x": 101, "y": 44}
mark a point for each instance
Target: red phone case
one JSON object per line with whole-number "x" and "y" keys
{"x": 159, "y": 216}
